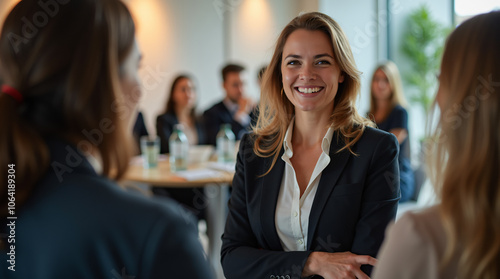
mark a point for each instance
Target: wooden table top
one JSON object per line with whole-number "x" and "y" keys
{"x": 162, "y": 176}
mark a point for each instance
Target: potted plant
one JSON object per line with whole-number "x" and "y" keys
{"x": 423, "y": 45}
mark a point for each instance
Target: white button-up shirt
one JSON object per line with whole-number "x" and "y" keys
{"x": 292, "y": 210}
{"x": 242, "y": 118}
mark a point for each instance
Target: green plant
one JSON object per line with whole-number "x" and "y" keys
{"x": 423, "y": 45}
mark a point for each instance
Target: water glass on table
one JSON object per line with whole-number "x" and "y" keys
{"x": 150, "y": 149}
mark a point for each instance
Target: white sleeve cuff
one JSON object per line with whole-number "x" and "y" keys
{"x": 242, "y": 118}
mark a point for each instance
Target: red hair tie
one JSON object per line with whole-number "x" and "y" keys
{"x": 13, "y": 93}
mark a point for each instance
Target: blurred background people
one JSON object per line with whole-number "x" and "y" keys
{"x": 234, "y": 109}
{"x": 69, "y": 97}
{"x": 387, "y": 104}
{"x": 180, "y": 108}
{"x": 460, "y": 237}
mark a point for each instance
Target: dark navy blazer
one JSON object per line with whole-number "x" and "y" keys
{"x": 357, "y": 197}
{"x": 217, "y": 115}
{"x": 78, "y": 224}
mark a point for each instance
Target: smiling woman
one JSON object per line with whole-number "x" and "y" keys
{"x": 310, "y": 74}
{"x": 323, "y": 207}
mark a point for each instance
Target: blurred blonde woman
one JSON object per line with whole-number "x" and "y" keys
{"x": 459, "y": 238}
{"x": 387, "y": 109}
{"x": 310, "y": 193}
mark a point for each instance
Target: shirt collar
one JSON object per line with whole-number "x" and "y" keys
{"x": 327, "y": 140}
{"x": 287, "y": 142}
{"x": 232, "y": 107}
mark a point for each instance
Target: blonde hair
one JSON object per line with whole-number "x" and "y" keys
{"x": 466, "y": 154}
{"x": 68, "y": 73}
{"x": 392, "y": 73}
{"x": 276, "y": 111}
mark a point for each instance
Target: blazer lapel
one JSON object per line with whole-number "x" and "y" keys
{"x": 327, "y": 183}
{"x": 271, "y": 184}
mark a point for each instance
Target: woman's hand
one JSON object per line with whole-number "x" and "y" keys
{"x": 337, "y": 265}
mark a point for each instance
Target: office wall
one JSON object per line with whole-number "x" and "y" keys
{"x": 360, "y": 25}
{"x": 177, "y": 37}
{"x": 253, "y": 30}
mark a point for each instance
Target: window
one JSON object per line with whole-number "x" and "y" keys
{"x": 465, "y": 9}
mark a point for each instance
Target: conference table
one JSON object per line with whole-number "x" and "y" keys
{"x": 215, "y": 178}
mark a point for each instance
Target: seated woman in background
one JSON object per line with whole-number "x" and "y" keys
{"x": 181, "y": 109}
{"x": 310, "y": 193}
{"x": 387, "y": 110}
{"x": 67, "y": 104}
{"x": 460, "y": 237}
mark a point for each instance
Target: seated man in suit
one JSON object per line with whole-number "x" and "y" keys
{"x": 235, "y": 109}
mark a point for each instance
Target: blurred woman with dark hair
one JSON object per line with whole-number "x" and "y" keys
{"x": 180, "y": 109}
